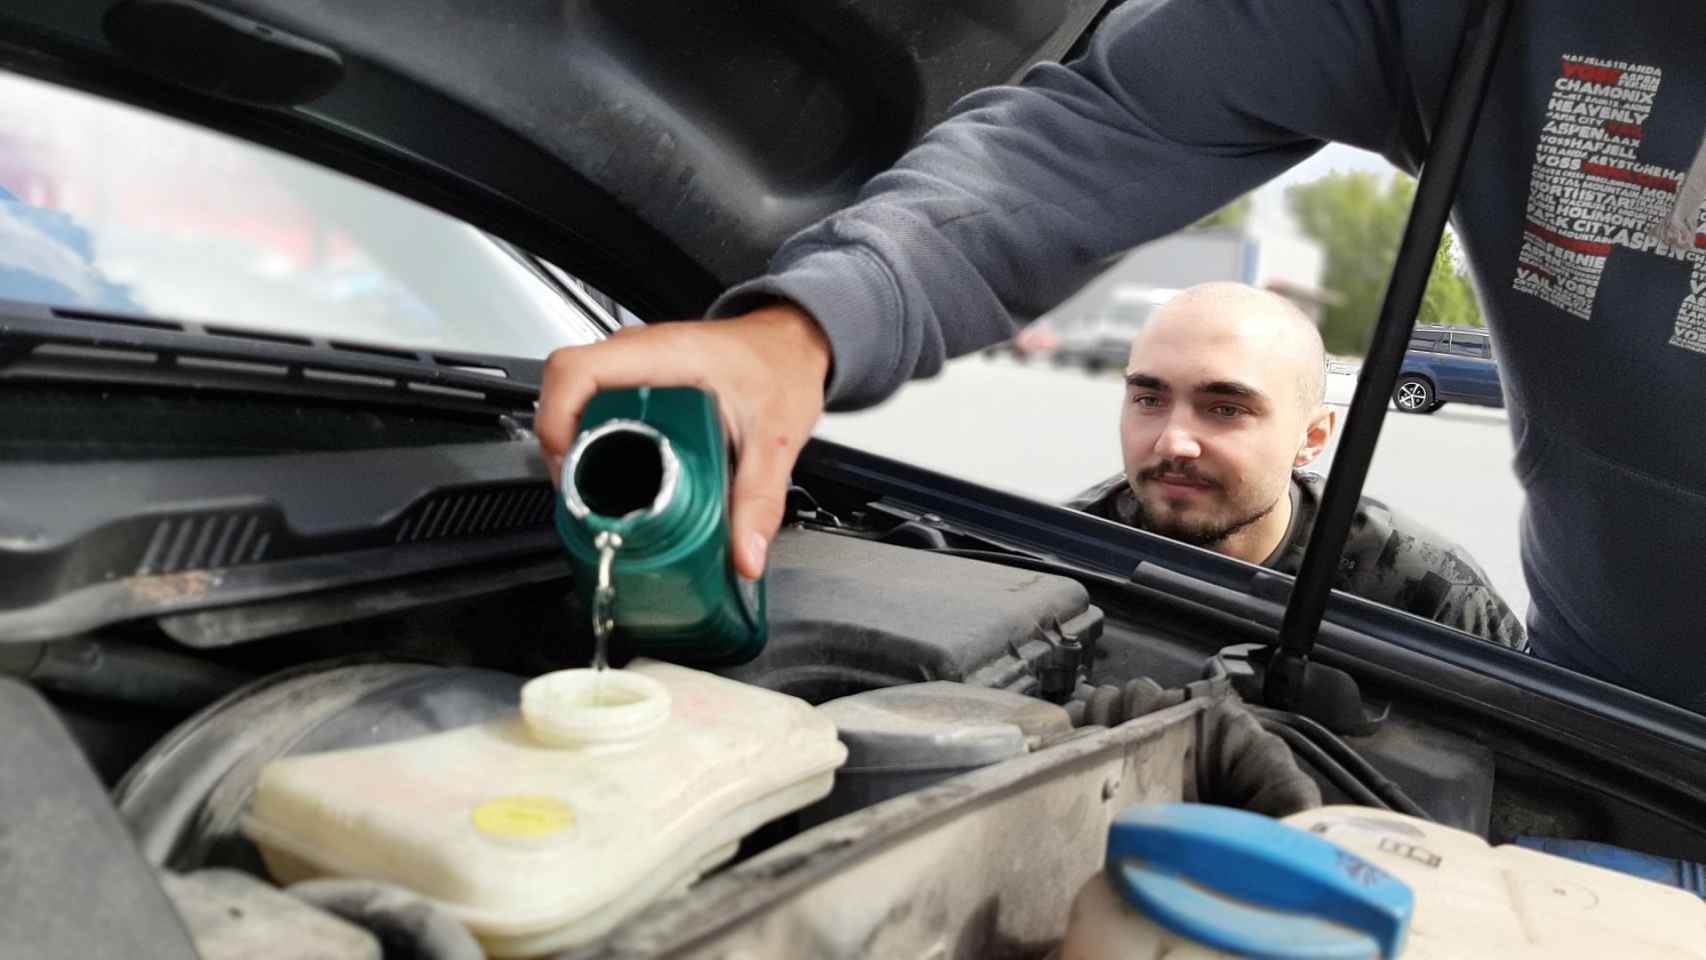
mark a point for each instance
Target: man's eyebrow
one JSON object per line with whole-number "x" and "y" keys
{"x": 1147, "y": 381}
{"x": 1230, "y": 388}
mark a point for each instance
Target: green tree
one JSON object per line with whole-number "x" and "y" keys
{"x": 1358, "y": 219}
{"x": 1449, "y": 298}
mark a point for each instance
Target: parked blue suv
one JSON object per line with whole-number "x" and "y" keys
{"x": 1447, "y": 364}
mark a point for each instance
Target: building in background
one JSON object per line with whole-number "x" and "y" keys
{"x": 1266, "y": 256}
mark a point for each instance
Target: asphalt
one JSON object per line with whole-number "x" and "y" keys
{"x": 1044, "y": 432}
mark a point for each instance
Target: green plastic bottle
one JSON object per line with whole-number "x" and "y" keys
{"x": 650, "y": 469}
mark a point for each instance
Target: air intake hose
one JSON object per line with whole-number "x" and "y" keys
{"x": 1239, "y": 764}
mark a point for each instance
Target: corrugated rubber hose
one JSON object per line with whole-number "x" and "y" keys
{"x": 1338, "y": 761}
{"x": 1239, "y": 764}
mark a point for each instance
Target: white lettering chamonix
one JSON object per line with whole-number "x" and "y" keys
{"x": 1591, "y": 196}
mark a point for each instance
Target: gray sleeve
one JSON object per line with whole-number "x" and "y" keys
{"x": 1469, "y": 604}
{"x": 1024, "y": 192}
{"x": 1396, "y": 561}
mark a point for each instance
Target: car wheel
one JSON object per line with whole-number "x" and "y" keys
{"x": 1413, "y": 394}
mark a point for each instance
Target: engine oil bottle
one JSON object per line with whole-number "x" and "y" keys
{"x": 643, "y": 512}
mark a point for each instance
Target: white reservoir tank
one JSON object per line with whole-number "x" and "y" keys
{"x": 1353, "y": 882}
{"x": 548, "y": 827}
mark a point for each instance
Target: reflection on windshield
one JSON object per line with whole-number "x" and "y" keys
{"x": 106, "y": 207}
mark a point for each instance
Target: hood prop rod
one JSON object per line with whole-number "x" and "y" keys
{"x": 1288, "y": 685}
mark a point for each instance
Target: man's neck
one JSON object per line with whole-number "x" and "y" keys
{"x": 1257, "y": 542}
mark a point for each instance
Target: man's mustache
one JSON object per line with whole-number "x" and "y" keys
{"x": 1176, "y": 470}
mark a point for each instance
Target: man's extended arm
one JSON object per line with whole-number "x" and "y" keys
{"x": 1015, "y": 200}
{"x": 1176, "y": 107}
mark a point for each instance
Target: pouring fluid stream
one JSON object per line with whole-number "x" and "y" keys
{"x": 604, "y": 596}
{"x": 604, "y": 602}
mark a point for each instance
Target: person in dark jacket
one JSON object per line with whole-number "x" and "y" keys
{"x": 1579, "y": 213}
{"x": 1224, "y": 408}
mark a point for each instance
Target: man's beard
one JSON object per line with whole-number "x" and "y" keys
{"x": 1204, "y": 532}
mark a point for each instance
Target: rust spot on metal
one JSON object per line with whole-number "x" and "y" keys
{"x": 172, "y": 587}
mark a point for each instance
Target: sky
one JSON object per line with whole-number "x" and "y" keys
{"x": 1334, "y": 157}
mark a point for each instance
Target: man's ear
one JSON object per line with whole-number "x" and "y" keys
{"x": 1316, "y": 435}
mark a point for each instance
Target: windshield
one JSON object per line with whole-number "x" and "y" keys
{"x": 1144, "y": 416}
{"x": 106, "y": 207}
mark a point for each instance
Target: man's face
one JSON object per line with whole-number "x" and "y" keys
{"x": 1214, "y": 422}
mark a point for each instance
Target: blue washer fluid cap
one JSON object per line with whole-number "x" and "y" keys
{"x": 1242, "y": 883}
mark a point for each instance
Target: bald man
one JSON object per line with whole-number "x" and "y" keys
{"x": 1224, "y": 407}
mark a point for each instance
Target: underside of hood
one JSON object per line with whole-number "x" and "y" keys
{"x": 661, "y": 151}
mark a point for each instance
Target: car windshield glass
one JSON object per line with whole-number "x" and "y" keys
{"x": 106, "y": 207}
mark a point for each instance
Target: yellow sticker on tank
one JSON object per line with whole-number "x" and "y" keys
{"x": 523, "y": 816}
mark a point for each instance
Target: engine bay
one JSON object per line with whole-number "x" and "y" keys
{"x": 1000, "y": 710}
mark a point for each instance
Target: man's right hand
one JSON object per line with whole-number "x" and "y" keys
{"x": 767, "y": 370}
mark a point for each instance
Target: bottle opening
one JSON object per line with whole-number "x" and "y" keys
{"x": 593, "y": 708}
{"x": 623, "y": 468}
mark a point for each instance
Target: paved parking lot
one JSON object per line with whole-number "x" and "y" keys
{"x": 1048, "y": 433}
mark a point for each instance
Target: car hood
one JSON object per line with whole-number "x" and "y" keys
{"x": 661, "y": 151}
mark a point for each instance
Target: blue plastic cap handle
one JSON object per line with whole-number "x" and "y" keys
{"x": 1242, "y": 883}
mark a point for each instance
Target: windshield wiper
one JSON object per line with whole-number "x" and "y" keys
{"x": 63, "y": 345}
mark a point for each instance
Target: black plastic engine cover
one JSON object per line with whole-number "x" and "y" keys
{"x": 848, "y": 614}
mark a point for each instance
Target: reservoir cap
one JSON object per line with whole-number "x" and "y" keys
{"x": 587, "y": 708}
{"x": 939, "y": 726}
{"x": 1243, "y": 883}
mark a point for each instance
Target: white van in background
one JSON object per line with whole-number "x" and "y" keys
{"x": 1103, "y": 342}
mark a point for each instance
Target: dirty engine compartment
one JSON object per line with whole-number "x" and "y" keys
{"x": 272, "y": 600}
{"x": 1000, "y": 706}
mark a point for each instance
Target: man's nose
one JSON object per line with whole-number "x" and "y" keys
{"x": 1177, "y": 443}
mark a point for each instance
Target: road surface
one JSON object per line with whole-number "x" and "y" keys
{"x": 1047, "y": 433}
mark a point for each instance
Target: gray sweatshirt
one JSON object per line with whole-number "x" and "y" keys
{"x": 1579, "y": 213}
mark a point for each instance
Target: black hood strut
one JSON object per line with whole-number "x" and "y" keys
{"x": 1289, "y": 684}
